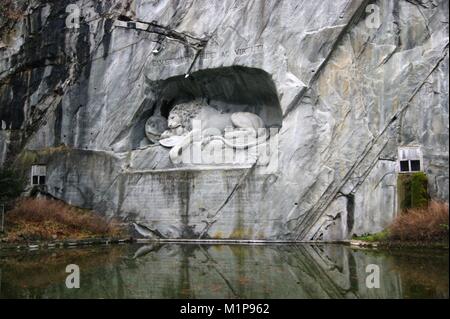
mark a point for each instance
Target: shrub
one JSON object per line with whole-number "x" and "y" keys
{"x": 428, "y": 223}
{"x": 44, "y": 219}
{"x": 413, "y": 190}
{"x": 419, "y": 190}
{"x": 381, "y": 236}
{"x": 11, "y": 185}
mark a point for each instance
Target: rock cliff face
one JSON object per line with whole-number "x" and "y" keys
{"x": 347, "y": 83}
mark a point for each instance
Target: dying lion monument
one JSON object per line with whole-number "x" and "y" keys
{"x": 199, "y": 122}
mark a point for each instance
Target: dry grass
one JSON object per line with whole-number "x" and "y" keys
{"x": 421, "y": 224}
{"x": 46, "y": 219}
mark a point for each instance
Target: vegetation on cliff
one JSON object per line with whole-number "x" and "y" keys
{"x": 424, "y": 224}
{"x": 42, "y": 219}
{"x": 11, "y": 185}
{"x": 47, "y": 219}
{"x": 413, "y": 190}
{"x": 420, "y": 220}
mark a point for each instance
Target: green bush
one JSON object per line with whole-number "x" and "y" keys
{"x": 412, "y": 190}
{"x": 419, "y": 190}
{"x": 381, "y": 236}
{"x": 11, "y": 185}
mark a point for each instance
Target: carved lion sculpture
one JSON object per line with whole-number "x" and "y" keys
{"x": 214, "y": 125}
{"x": 154, "y": 127}
{"x": 179, "y": 122}
{"x": 188, "y": 119}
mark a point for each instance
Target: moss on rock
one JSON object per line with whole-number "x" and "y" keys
{"x": 412, "y": 190}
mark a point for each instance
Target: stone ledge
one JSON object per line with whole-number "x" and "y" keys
{"x": 231, "y": 241}
{"x": 189, "y": 169}
{"x": 361, "y": 243}
{"x": 64, "y": 244}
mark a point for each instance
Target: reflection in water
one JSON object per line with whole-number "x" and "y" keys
{"x": 223, "y": 271}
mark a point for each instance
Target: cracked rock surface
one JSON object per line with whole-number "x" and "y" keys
{"x": 348, "y": 93}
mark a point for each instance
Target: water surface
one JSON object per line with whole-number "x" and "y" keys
{"x": 224, "y": 271}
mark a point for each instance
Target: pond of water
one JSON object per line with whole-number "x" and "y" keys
{"x": 225, "y": 271}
